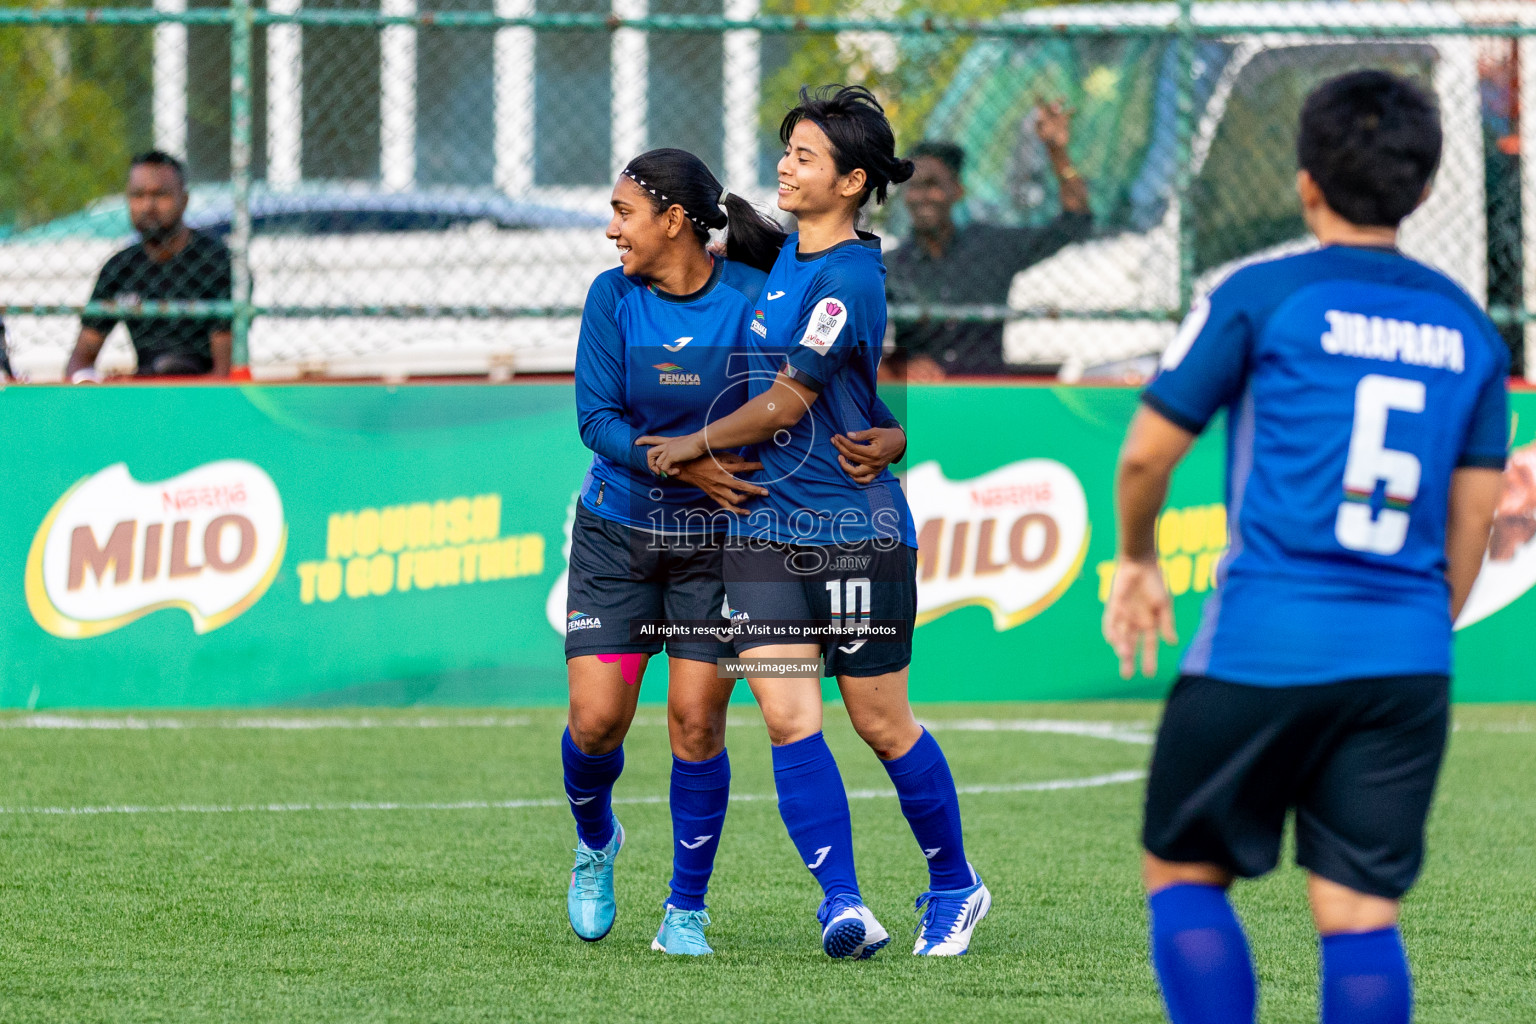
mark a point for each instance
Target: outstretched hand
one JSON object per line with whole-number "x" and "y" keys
{"x": 1053, "y": 123}
{"x": 1137, "y": 613}
{"x": 865, "y": 454}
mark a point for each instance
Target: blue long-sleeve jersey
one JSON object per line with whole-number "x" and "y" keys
{"x": 652, "y": 363}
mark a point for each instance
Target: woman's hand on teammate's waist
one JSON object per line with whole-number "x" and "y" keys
{"x": 865, "y": 454}
{"x": 715, "y": 476}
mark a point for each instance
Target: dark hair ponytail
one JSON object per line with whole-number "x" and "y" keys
{"x": 675, "y": 177}
{"x": 861, "y": 135}
{"x": 751, "y": 237}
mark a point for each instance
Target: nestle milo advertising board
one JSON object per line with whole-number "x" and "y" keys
{"x": 312, "y": 545}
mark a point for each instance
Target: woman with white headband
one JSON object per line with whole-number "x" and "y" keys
{"x": 655, "y": 356}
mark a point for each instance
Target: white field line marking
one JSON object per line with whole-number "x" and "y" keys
{"x": 1120, "y": 732}
{"x": 1091, "y": 782}
{"x": 133, "y": 723}
{"x": 1520, "y": 726}
{"x": 1049, "y": 786}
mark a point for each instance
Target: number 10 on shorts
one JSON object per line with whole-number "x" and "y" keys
{"x": 851, "y": 604}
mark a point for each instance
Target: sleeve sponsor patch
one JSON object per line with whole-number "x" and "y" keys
{"x": 827, "y": 320}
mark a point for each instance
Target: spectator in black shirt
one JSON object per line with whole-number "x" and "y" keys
{"x": 6, "y": 373}
{"x": 943, "y": 263}
{"x": 170, "y": 261}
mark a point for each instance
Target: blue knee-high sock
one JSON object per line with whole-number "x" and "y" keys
{"x": 700, "y": 792}
{"x": 814, "y": 807}
{"x": 928, "y": 799}
{"x": 1366, "y": 979}
{"x": 1201, "y": 957}
{"x": 589, "y": 787}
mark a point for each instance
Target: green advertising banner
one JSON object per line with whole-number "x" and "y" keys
{"x": 402, "y": 544}
{"x": 319, "y": 545}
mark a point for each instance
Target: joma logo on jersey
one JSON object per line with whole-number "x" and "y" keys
{"x": 671, "y": 373}
{"x": 112, "y": 550}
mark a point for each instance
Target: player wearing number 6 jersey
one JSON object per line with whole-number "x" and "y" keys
{"x": 1365, "y": 400}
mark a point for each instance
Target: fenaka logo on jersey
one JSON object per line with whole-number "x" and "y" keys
{"x": 1012, "y": 540}
{"x": 827, "y": 319}
{"x": 112, "y": 549}
{"x": 671, "y": 373}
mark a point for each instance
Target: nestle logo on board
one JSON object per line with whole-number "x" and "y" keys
{"x": 112, "y": 549}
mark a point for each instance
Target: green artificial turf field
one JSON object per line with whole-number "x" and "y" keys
{"x": 207, "y": 868}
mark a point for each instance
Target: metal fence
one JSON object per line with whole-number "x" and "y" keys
{"x": 420, "y": 186}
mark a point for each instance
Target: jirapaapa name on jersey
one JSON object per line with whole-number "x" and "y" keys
{"x": 1378, "y": 337}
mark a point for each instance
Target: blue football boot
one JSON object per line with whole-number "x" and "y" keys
{"x": 589, "y": 901}
{"x": 948, "y": 918}
{"x": 682, "y": 932}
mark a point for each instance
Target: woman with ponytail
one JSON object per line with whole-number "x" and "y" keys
{"x": 822, "y": 555}
{"x": 657, "y": 336}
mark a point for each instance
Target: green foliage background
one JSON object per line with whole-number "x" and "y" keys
{"x": 75, "y": 105}
{"x": 927, "y": 61}
{"x": 77, "y": 100}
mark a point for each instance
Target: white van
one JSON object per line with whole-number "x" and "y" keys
{"x": 1248, "y": 94}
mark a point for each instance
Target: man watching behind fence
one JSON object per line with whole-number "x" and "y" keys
{"x": 950, "y": 264}
{"x": 171, "y": 261}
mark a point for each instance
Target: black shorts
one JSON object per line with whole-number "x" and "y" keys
{"x": 1357, "y": 760}
{"x": 621, "y": 577}
{"x": 858, "y": 601}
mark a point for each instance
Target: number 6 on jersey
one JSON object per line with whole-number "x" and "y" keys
{"x": 1370, "y": 462}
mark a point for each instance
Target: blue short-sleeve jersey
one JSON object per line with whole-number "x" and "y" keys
{"x": 652, "y": 363}
{"x": 1356, "y": 381}
{"x": 821, "y": 320}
